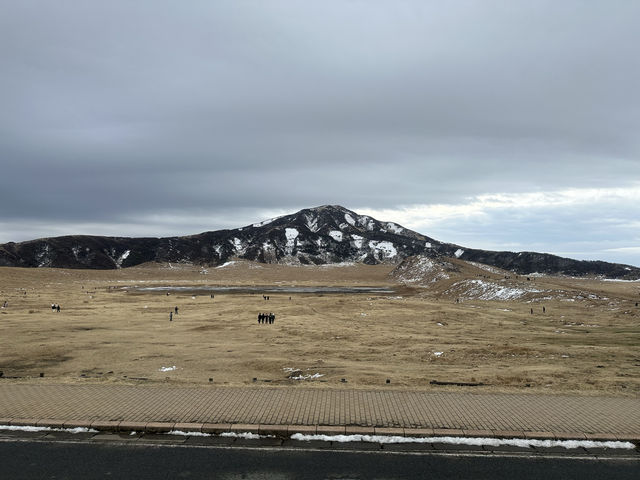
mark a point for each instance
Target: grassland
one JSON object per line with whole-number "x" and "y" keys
{"x": 587, "y": 340}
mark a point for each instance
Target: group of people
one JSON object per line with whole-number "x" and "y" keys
{"x": 55, "y": 307}
{"x": 266, "y": 318}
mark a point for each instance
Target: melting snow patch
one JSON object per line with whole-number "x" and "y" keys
{"x": 385, "y": 248}
{"x": 357, "y": 240}
{"x": 246, "y": 435}
{"x": 16, "y": 428}
{"x": 302, "y": 376}
{"x": 167, "y": 369}
{"x": 226, "y": 264}
{"x": 291, "y": 234}
{"x": 336, "y": 235}
{"x": 122, "y": 258}
{"x": 492, "y": 291}
{"x": 438, "y": 354}
{"x": 479, "y": 441}
{"x": 307, "y": 377}
{"x": 482, "y": 266}
{"x": 618, "y": 280}
{"x": 421, "y": 270}
{"x": 366, "y": 222}
{"x": 458, "y": 253}
{"x": 312, "y": 222}
{"x": 264, "y": 222}
{"x": 349, "y": 219}
{"x": 188, "y": 434}
{"x": 238, "y": 246}
{"x": 394, "y": 228}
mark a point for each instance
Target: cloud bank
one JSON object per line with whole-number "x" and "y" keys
{"x": 510, "y": 125}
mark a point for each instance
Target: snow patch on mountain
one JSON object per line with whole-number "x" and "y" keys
{"x": 239, "y": 247}
{"x": 43, "y": 256}
{"x": 122, "y": 258}
{"x": 312, "y": 223}
{"x": 292, "y": 235}
{"x": 264, "y": 222}
{"x": 458, "y": 253}
{"x": 350, "y": 220}
{"x": 366, "y": 222}
{"x": 357, "y": 241}
{"x": 336, "y": 235}
{"x": 393, "y": 228}
{"x": 383, "y": 249}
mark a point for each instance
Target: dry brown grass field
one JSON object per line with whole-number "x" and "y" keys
{"x": 587, "y": 340}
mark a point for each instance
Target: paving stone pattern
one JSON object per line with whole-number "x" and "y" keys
{"x": 299, "y": 406}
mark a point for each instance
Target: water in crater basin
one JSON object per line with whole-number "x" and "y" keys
{"x": 260, "y": 289}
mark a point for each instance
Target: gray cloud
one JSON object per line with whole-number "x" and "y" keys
{"x": 115, "y": 110}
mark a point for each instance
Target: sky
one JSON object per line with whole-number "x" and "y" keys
{"x": 503, "y": 125}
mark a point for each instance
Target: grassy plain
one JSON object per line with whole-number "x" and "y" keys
{"x": 588, "y": 339}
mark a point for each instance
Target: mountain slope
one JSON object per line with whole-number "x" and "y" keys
{"x": 326, "y": 234}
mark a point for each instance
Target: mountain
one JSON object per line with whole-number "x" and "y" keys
{"x": 326, "y": 234}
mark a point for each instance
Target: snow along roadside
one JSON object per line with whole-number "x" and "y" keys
{"x": 475, "y": 441}
{"x": 47, "y": 429}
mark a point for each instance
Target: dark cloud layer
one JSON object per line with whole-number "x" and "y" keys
{"x": 113, "y": 111}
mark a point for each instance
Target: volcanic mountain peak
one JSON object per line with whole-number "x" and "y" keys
{"x": 337, "y": 221}
{"x": 319, "y": 235}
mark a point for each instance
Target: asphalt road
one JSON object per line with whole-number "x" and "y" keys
{"x": 24, "y": 458}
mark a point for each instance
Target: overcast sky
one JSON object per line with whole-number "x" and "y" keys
{"x": 507, "y": 125}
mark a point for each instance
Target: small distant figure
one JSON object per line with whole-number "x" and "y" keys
{"x": 170, "y": 316}
{"x": 53, "y": 307}
{"x": 6, "y": 304}
{"x": 532, "y": 311}
{"x": 58, "y": 308}
{"x": 636, "y": 303}
{"x": 544, "y": 310}
{"x": 167, "y": 294}
{"x": 176, "y": 310}
{"x": 457, "y": 300}
{"x": 289, "y": 298}
{"x": 272, "y": 318}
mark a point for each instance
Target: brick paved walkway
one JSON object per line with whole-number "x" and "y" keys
{"x": 299, "y": 406}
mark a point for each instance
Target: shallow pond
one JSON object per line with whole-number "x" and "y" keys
{"x": 202, "y": 290}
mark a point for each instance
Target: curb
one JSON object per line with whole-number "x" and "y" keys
{"x": 285, "y": 431}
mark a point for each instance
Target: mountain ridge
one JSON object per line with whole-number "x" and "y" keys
{"x": 319, "y": 235}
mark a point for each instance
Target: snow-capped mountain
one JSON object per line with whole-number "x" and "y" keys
{"x": 326, "y": 234}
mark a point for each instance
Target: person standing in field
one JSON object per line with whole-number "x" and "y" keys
{"x": 170, "y": 316}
